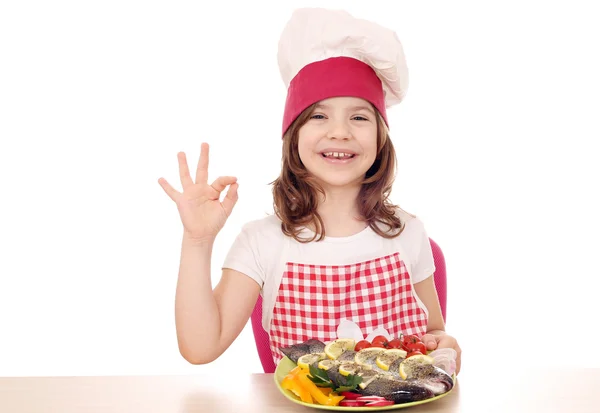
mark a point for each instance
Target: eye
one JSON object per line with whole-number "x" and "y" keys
{"x": 317, "y": 116}
{"x": 361, "y": 118}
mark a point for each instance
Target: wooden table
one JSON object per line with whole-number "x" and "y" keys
{"x": 548, "y": 391}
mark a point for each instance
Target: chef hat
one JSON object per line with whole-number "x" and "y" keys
{"x": 327, "y": 53}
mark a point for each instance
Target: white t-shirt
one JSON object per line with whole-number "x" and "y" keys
{"x": 261, "y": 251}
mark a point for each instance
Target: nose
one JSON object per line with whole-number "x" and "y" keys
{"x": 339, "y": 129}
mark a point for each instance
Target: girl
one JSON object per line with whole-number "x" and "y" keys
{"x": 336, "y": 248}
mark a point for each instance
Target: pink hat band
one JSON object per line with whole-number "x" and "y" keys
{"x": 333, "y": 77}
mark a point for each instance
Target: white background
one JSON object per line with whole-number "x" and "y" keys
{"x": 496, "y": 139}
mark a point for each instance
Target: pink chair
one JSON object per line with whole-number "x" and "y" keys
{"x": 261, "y": 337}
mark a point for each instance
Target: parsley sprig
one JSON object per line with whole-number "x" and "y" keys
{"x": 321, "y": 379}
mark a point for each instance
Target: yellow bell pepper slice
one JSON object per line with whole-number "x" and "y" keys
{"x": 291, "y": 383}
{"x": 325, "y": 390}
{"x": 334, "y": 400}
{"x": 316, "y": 393}
{"x": 298, "y": 382}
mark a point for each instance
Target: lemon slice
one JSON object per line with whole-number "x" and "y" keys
{"x": 367, "y": 377}
{"x": 326, "y": 364}
{"x": 335, "y": 349}
{"x": 386, "y": 358}
{"x": 365, "y": 356}
{"x": 407, "y": 367}
{"x": 349, "y": 368}
{"x": 306, "y": 360}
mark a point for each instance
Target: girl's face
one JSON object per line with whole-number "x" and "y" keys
{"x": 338, "y": 143}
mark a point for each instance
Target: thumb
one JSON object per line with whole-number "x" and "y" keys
{"x": 430, "y": 341}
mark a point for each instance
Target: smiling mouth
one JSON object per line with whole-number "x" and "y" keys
{"x": 337, "y": 155}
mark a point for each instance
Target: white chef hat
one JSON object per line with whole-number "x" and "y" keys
{"x": 326, "y": 53}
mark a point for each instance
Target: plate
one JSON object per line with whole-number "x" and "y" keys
{"x": 286, "y": 365}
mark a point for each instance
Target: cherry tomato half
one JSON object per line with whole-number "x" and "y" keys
{"x": 414, "y": 353}
{"x": 419, "y": 346}
{"x": 395, "y": 343}
{"x": 409, "y": 339}
{"x": 380, "y": 341}
{"x": 362, "y": 344}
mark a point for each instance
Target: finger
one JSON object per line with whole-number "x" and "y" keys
{"x": 429, "y": 341}
{"x": 202, "y": 168}
{"x": 168, "y": 189}
{"x": 184, "y": 172}
{"x": 446, "y": 341}
{"x": 221, "y": 183}
{"x": 230, "y": 198}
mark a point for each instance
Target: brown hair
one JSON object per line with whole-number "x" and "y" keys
{"x": 295, "y": 191}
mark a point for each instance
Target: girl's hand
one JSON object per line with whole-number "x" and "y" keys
{"x": 439, "y": 339}
{"x": 202, "y": 213}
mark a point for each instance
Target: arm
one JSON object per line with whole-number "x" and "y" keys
{"x": 436, "y": 336}
{"x": 428, "y": 295}
{"x": 207, "y": 320}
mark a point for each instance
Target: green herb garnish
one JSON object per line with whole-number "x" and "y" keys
{"x": 352, "y": 381}
{"x": 321, "y": 379}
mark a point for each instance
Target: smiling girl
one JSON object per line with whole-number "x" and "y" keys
{"x": 336, "y": 248}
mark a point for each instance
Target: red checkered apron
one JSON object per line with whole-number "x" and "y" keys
{"x": 313, "y": 299}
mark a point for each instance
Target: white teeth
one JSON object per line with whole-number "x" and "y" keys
{"x": 338, "y": 154}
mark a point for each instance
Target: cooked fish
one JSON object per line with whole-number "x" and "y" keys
{"x": 298, "y": 350}
{"x": 429, "y": 381}
{"x": 425, "y": 381}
